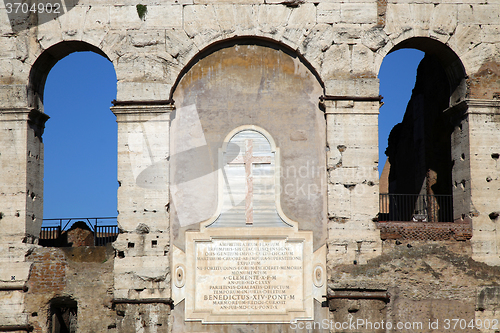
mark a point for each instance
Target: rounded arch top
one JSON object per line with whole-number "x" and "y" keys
{"x": 254, "y": 128}
{"x": 47, "y": 59}
{"x": 244, "y": 40}
{"x": 449, "y": 60}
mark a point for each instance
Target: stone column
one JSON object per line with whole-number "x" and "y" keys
{"x": 353, "y": 193}
{"x": 476, "y": 174}
{"x": 142, "y": 268}
{"x": 21, "y": 213}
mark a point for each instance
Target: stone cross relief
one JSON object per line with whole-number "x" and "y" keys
{"x": 248, "y": 183}
{"x": 248, "y": 159}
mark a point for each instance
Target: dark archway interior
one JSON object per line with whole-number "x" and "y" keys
{"x": 420, "y": 148}
{"x": 63, "y": 315}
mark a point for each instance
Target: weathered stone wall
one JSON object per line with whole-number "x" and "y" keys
{"x": 345, "y": 44}
{"x": 417, "y": 283}
{"x": 83, "y": 274}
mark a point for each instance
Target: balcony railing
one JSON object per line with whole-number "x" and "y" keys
{"x": 104, "y": 229}
{"x": 415, "y": 208}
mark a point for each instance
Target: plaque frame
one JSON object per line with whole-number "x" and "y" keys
{"x": 313, "y": 278}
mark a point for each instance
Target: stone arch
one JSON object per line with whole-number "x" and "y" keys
{"x": 243, "y": 82}
{"x": 44, "y": 63}
{"x": 244, "y": 40}
{"x": 423, "y": 148}
{"x": 449, "y": 60}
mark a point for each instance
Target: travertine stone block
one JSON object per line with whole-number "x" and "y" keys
{"x": 164, "y": 16}
{"x": 236, "y": 20}
{"x": 11, "y": 308}
{"x": 180, "y": 45}
{"x": 336, "y": 63}
{"x": 475, "y": 58}
{"x": 403, "y": 17}
{"x": 271, "y": 19}
{"x": 303, "y": 17}
{"x": 374, "y": 38}
{"x": 121, "y": 16}
{"x": 465, "y": 38}
{"x": 72, "y": 23}
{"x": 348, "y": 33}
{"x": 200, "y": 24}
{"x": 490, "y": 33}
{"x": 96, "y": 25}
{"x": 363, "y": 61}
{"x": 444, "y": 19}
{"x": 49, "y": 32}
{"x": 358, "y": 12}
{"x": 328, "y": 12}
{"x": 318, "y": 40}
{"x": 479, "y": 13}
{"x": 353, "y": 175}
{"x": 149, "y": 41}
{"x": 142, "y": 277}
{"x": 142, "y": 91}
{"x": 354, "y": 87}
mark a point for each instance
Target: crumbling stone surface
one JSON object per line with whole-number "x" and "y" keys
{"x": 424, "y": 281}
{"x": 82, "y": 275}
{"x": 341, "y": 44}
{"x": 485, "y": 83}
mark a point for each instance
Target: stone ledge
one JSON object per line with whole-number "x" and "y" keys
{"x": 425, "y": 231}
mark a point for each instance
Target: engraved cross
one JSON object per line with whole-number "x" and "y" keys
{"x": 248, "y": 159}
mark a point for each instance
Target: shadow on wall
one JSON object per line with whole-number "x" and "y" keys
{"x": 23, "y": 15}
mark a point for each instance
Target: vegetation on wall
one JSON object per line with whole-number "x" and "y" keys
{"x": 142, "y": 10}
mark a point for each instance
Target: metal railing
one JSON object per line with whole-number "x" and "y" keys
{"x": 415, "y": 207}
{"x": 104, "y": 229}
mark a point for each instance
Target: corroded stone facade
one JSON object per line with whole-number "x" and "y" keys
{"x": 183, "y": 53}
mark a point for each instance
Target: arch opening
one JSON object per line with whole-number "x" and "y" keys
{"x": 416, "y": 182}
{"x": 78, "y": 152}
{"x": 44, "y": 63}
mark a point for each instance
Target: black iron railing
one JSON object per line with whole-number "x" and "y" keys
{"x": 416, "y": 207}
{"x": 105, "y": 229}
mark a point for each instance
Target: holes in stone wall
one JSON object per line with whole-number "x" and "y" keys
{"x": 131, "y": 245}
{"x": 154, "y": 243}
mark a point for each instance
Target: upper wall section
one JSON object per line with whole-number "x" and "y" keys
{"x": 345, "y": 42}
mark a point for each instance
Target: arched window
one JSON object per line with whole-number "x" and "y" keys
{"x": 78, "y": 162}
{"x": 416, "y": 183}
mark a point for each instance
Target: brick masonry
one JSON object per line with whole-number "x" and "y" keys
{"x": 48, "y": 274}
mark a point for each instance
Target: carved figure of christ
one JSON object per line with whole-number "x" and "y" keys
{"x": 248, "y": 160}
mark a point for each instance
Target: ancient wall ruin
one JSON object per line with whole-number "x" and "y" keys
{"x": 329, "y": 53}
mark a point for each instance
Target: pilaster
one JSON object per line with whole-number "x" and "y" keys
{"x": 352, "y": 164}
{"x": 476, "y": 173}
{"x": 142, "y": 268}
{"x": 21, "y": 215}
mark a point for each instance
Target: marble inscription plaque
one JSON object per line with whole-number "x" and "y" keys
{"x": 262, "y": 276}
{"x": 249, "y": 276}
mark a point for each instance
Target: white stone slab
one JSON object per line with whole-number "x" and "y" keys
{"x": 251, "y": 275}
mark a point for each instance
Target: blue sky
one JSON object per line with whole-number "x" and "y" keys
{"x": 80, "y": 137}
